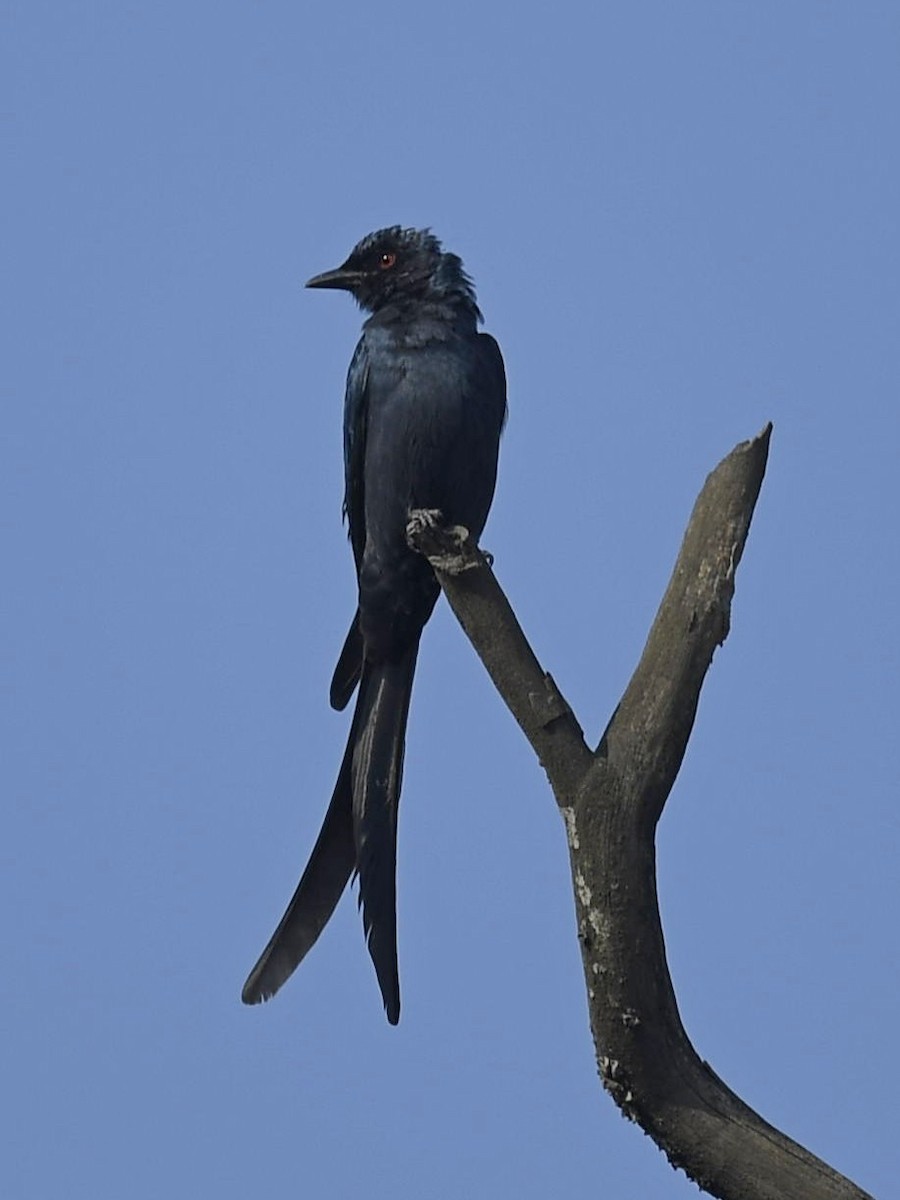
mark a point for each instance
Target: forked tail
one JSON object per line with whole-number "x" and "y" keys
{"x": 359, "y": 831}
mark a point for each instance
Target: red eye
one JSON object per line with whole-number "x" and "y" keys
{"x": 387, "y": 261}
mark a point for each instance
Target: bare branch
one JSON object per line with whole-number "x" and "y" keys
{"x": 490, "y": 623}
{"x": 612, "y": 800}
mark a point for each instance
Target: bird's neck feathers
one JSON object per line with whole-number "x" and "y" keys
{"x": 445, "y": 297}
{"x": 452, "y": 286}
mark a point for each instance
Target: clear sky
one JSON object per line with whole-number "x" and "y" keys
{"x": 682, "y": 220}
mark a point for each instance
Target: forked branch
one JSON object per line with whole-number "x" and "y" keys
{"x": 611, "y": 799}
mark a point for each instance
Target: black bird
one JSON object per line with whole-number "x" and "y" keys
{"x": 423, "y": 411}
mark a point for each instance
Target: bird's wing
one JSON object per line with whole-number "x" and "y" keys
{"x": 346, "y": 673}
{"x": 355, "y": 421}
{"x": 492, "y": 364}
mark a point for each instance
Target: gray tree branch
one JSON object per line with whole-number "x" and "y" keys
{"x": 611, "y": 799}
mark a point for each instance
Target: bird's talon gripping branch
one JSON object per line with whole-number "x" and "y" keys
{"x": 449, "y": 548}
{"x": 422, "y": 521}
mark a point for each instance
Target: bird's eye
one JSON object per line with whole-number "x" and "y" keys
{"x": 387, "y": 260}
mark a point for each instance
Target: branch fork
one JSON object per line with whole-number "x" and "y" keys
{"x": 611, "y": 799}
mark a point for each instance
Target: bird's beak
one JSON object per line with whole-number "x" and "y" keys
{"x": 340, "y": 278}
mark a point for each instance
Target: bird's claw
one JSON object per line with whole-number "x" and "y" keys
{"x": 422, "y": 520}
{"x": 448, "y": 548}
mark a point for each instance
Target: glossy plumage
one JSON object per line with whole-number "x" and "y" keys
{"x": 424, "y": 407}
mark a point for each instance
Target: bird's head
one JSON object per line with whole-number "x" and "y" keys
{"x": 396, "y": 265}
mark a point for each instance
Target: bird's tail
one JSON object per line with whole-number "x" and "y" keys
{"x": 360, "y": 830}
{"x": 376, "y": 771}
{"x": 327, "y": 872}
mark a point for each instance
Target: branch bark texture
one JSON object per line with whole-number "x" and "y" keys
{"x": 611, "y": 799}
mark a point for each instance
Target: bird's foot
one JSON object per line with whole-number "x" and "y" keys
{"x": 449, "y": 548}
{"x": 423, "y": 520}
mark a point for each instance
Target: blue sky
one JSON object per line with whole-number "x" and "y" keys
{"x": 682, "y": 222}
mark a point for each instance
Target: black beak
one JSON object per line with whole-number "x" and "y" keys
{"x": 340, "y": 278}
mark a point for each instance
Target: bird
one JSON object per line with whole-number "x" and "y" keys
{"x": 424, "y": 408}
